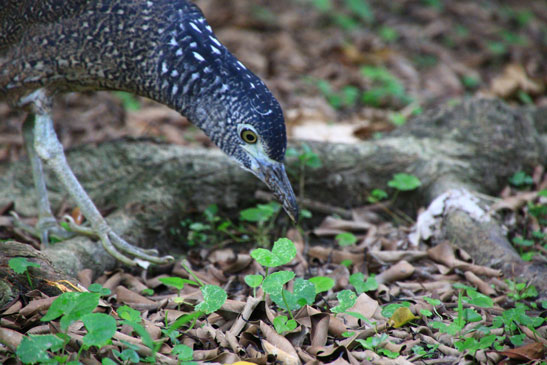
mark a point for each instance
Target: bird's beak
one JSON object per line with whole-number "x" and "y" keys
{"x": 273, "y": 174}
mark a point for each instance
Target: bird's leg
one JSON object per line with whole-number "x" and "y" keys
{"x": 47, "y": 224}
{"x": 50, "y": 150}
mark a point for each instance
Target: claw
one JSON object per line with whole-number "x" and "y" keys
{"x": 45, "y": 228}
{"x": 112, "y": 243}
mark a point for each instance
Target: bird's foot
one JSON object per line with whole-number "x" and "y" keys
{"x": 45, "y": 229}
{"x": 117, "y": 246}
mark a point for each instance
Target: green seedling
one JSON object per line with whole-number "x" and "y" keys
{"x": 345, "y": 239}
{"x": 361, "y": 285}
{"x": 347, "y": 263}
{"x": 20, "y": 265}
{"x": 346, "y": 299}
{"x": 132, "y": 318}
{"x": 397, "y": 119}
{"x": 386, "y": 87}
{"x": 521, "y": 179}
{"x": 434, "y": 303}
{"x": 184, "y": 353}
{"x": 373, "y": 343}
{"x": 254, "y": 281}
{"x": 283, "y": 252}
{"x": 71, "y": 307}
{"x": 404, "y": 182}
{"x": 98, "y": 288}
{"x": 470, "y": 82}
{"x": 34, "y": 348}
{"x": 307, "y": 159}
{"x": 129, "y": 101}
{"x": 128, "y": 355}
{"x": 304, "y": 291}
{"x": 213, "y": 298}
{"x": 348, "y": 16}
{"x": 264, "y": 216}
{"x": 322, "y": 283}
{"x": 435, "y": 4}
{"x": 377, "y": 195}
{"x": 303, "y": 294}
{"x": 283, "y": 324}
{"x": 423, "y": 353}
{"x": 520, "y": 291}
{"x": 388, "y": 34}
{"x": 100, "y": 330}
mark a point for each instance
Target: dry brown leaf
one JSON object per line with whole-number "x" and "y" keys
{"x": 479, "y": 283}
{"x": 398, "y": 255}
{"x": 529, "y": 352}
{"x": 36, "y": 305}
{"x": 364, "y": 305}
{"x": 400, "y": 271}
{"x": 127, "y": 296}
{"x": 13, "y": 309}
{"x": 319, "y": 329}
{"x": 513, "y": 79}
{"x": 514, "y": 202}
{"x": 10, "y": 338}
{"x": 444, "y": 253}
{"x": 336, "y": 256}
{"x": 331, "y": 226}
{"x": 281, "y": 355}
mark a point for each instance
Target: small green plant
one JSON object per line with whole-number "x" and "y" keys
{"x": 304, "y": 291}
{"x": 283, "y": 324}
{"x": 470, "y": 82}
{"x": 20, "y": 265}
{"x": 264, "y": 216}
{"x": 373, "y": 343}
{"x": 386, "y": 87}
{"x": 388, "y": 34}
{"x": 377, "y": 195}
{"x": 521, "y": 179}
{"x": 129, "y": 101}
{"x": 210, "y": 231}
{"x": 348, "y": 16}
{"x": 70, "y": 307}
{"x": 345, "y": 239}
{"x": 346, "y": 97}
{"x": 184, "y": 354}
{"x": 178, "y": 284}
{"x": 397, "y": 119}
{"x": 520, "y": 291}
{"x": 361, "y": 285}
{"x": 404, "y": 182}
{"x": 423, "y": 353}
{"x": 307, "y": 159}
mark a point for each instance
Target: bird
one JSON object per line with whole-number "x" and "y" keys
{"x": 160, "y": 49}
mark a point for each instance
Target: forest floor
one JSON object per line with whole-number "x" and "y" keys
{"x": 360, "y": 290}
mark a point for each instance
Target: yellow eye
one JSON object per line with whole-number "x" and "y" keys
{"x": 249, "y": 136}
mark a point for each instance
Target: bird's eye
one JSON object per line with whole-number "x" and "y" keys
{"x": 249, "y": 136}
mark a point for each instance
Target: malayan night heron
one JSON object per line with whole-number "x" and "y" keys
{"x": 160, "y": 49}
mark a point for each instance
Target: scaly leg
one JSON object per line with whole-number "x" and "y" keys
{"x": 47, "y": 224}
{"x": 50, "y": 150}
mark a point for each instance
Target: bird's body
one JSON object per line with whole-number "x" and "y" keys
{"x": 161, "y": 49}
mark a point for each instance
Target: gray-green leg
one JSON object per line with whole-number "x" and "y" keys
{"x": 50, "y": 150}
{"x": 47, "y": 224}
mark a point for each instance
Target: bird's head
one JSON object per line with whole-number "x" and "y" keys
{"x": 203, "y": 80}
{"x": 246, "y": 122}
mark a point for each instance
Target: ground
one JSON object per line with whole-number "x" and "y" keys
{"x": 344, "y": 71}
